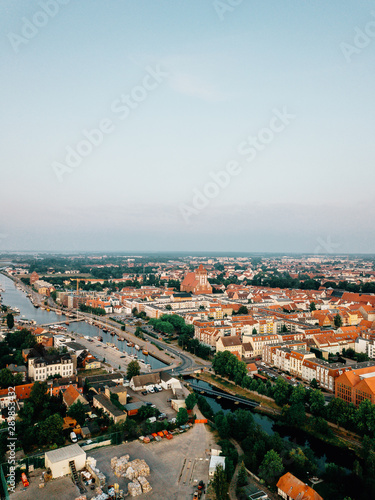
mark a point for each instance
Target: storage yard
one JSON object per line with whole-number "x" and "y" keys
{"x": 170, "y": 468}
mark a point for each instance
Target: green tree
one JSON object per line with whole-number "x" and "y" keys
{"x": 220, "y": 483}
{"x": 77, "y": 411}
{"x": 294, "y": 414}
{"x": 281, "y": 392}
{"x": 316, "y": 402}
{"x": 365, "y": 417}
{"x": 337, "y": 411}
{"x": 222, "y": 425}
{"x": 272, "y": 467}
{"x": 6, "y": 378}
{"x": 254, "y": 331}
{"x": 298, "y": 395}
{"x": 182, "y": 417}
{"x": 312, "y": 306}
{"x": 10, "y": 321}
{"x": 133, "y": 369}
{"x": 146, "y": 412}
{"x": 139, "y": 333}
{"x": 242, "y": 475}
{"x": 314, "y": 384}
{"x": 337, "y": 320}
{"x": 321, "y": 426}
{"x": 191, "y": 401}
{"x": 50, "y": 431}
{"x": 243, "y": 310}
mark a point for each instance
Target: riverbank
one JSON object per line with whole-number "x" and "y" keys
{"x": 341, "y": 438}
{"x": 266, "y": 404}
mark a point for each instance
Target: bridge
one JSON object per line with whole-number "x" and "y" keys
{"x": 225, "y": 395}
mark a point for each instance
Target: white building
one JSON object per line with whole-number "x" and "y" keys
{"x": 214, "y": 462}
{"x": 58, "y": 460}
{"x": 41, "y": 368}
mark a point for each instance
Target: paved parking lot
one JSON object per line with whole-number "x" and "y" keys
{"x": 159, "y": 399}
{"x": 176, "y": 465}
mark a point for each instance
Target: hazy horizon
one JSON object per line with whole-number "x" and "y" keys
{"x": 173, "y": 124}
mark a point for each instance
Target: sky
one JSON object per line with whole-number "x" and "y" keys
{"x": 171, "y": 125}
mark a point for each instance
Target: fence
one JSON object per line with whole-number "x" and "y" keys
{"x": 4, "y": 486}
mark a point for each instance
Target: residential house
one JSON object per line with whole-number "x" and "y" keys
{"x": 103, "y": 402}
{"x": 290, "y": 487}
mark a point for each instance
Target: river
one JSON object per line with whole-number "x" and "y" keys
{"x": 13, "y": 297}
{"x": 324, "y": 452}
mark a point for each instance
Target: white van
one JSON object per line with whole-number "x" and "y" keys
{"x": 73, "y": 437}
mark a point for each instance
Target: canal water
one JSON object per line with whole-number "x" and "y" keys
{"x": 13, "y": 297}
{"x": 324, "y": 452}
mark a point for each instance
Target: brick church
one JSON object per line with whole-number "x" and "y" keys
{"x": 196, "y": 282}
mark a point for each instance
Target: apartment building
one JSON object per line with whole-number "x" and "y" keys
{"x": 356, "y": 385}
{"x": 269, "y": 350}
{"x": 40, "y": 368}
{"x": 258, "y": 342}
{"x": 232, "y": 344}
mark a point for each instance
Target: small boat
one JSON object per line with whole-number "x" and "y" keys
{"x": 105, "y": 330}
{"x": 59, "y": 313}
{"x": 67, "y": 323}
{"x": 137, "y": 347}
{"x": 145, "y": 352}
{"x": 42, "y": 308}
{"x": 130, "y": 344}
{"x": 48, "y": 309}
{"x": 112, "y": 333}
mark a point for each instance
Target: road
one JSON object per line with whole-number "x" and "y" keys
{"x": 187, "y": 362}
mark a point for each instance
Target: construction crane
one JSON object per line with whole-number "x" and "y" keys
{"x": 77, "y": 280}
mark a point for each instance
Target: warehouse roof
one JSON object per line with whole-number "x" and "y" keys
{"x": 66, "y": 453}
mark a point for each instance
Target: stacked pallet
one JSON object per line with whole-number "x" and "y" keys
{"x": 95, "y": 472}
{"x": 120, "y": 465}
{"x": 134, "y": 489}
{"x": 100, "y": 495}
{"x": 137, "y": 468}
{"x": 146, "y": 487}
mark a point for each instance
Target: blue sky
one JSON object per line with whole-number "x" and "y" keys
{"x": 224, "y": 71}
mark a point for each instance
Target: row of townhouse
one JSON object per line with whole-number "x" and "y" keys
{"x": 334, "y": 342}
{"x": 298, "y": 361}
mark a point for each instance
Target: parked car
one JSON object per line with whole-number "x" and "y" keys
{"x": 144, "y": 393}
{"x": 73, "y": 437}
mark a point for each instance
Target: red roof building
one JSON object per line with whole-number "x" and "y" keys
{"x": 196, "y": 282}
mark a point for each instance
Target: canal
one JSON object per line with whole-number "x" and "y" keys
{"x": 324, "y": 452}
{"x": 13, "y": 297}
